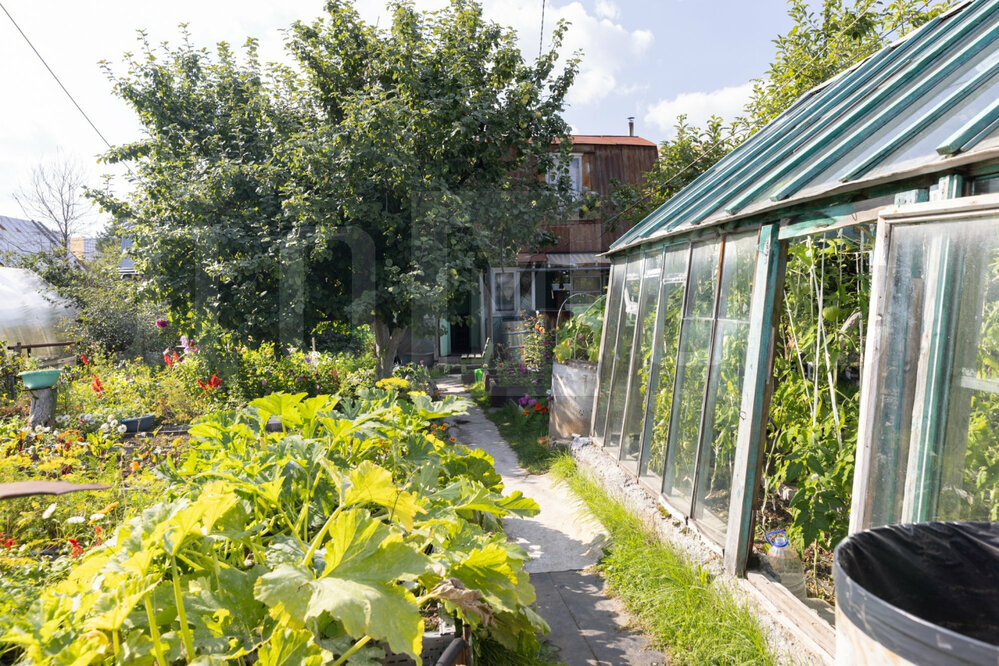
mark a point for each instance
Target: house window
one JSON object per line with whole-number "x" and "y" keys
{"x": 505, "y": 292}
{"x": 573, "y": 167}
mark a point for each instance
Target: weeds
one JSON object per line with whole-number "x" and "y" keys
{"x": 695, "y": 620}
{"x": 523, "y": 433}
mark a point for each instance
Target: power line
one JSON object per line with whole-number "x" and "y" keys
{"x": 541, "y": 38}
{"x": 68, "y": 94}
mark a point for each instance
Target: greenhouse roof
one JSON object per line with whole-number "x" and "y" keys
{"x": 926, "y": 103}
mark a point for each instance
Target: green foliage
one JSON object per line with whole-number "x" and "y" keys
{"x": 523, "y": 429}
{"x": 112, "y": 315}
{"x": 317, "y": 544}
{"x": 819, "y": 45}
{"x": 694, "y": 618}
{"x": 823, "y": 43}
{"x": 816, "y": 403}
{"x": 579, "y": 337}
{"x": 683, "y": 158}
{"x": 366, "y": 184}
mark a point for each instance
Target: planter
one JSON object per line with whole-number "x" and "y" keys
{"x": 142, "y": 423}
{"x": 39, "y": 379}
{"x": 574, "y": 388}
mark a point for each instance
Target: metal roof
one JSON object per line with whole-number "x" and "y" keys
{"x": 926, "y": 103}
{"x": 25, "y": 237}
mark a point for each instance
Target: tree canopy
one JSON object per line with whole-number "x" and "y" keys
{"x": 819, "y": 45}
{"x": 368, "y": 181}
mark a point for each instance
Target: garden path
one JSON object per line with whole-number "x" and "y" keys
{"x": 564, "y": 541}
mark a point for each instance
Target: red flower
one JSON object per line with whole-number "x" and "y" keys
{"x": 176, "y": 359}
{"x": 83, "y": 358}
{"x": 167, "y": 359}
{"x": 96, "y": 386}
{"x": 211, "y": 384}
{"x": 77, "y": 548}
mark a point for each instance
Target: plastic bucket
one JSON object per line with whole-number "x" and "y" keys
{"x": 478, "y": 375}
{"x": 918, "y": 594}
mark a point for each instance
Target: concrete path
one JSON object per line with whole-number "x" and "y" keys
{"x": 563, "y": 540}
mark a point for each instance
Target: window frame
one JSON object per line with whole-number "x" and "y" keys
{"x": 955, "y": 210}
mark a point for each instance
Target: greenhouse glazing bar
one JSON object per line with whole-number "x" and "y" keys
{"x": 768, "y": 285}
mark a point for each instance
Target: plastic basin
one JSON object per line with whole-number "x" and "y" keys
{"x": 926, "y": 593}
{"x": 40, "y": 379}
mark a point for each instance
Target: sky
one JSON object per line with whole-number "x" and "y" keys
{"x": 651, "y": 59}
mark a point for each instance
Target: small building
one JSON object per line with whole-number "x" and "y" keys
{"x": 813, "y": 323}
{"x": 572, "y": 265}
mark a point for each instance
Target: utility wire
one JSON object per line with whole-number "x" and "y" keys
{"x": 68, "y": 94}
{"x": 541, "y": 39}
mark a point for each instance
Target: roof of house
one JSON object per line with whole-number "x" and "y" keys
{"x": 925, "y": 104}
{"x": 609, "y": 140}
{"x": 25, "y": 237}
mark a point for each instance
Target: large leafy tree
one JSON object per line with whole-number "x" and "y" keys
{"x": 820, "y": 44}
{"x": 370, "y": 181}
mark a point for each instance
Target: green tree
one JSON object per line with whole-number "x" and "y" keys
{"x": 369, "y": 183}
{"x": 681, "y": 160}
{"x": 818, "y": 46}
{"x": 825, "y": 42}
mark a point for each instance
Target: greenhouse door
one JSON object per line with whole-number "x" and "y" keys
{"x": 929, "y": 426}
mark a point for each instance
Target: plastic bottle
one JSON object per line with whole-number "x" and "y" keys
{"x": 785, "y": 563}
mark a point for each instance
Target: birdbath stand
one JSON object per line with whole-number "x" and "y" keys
{"x": 41, "y": 385}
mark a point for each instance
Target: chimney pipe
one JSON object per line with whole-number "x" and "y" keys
{"x": 631, "y": 125}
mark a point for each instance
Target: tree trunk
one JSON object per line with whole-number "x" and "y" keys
{"x": 387, "y": 341}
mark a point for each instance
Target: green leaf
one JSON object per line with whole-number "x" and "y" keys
{"x": 286, "y": 592}
{"x": 286, "y": 647}
{"x": 371, "y": 484}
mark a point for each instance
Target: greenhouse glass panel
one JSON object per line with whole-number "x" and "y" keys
{"x": 642, "y": 359}
{"x": 724, "y": 395}
{"x": 692, "y": 375}
{"x": 935, "y": 445}
{"x": 815, "y": 410}
{"x": 622, "y": 352}
{"x": 664, "y": 373}
{"x": 610, "y": 340}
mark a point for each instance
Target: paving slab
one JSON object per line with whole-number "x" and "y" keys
{"x": 564, "y": 541}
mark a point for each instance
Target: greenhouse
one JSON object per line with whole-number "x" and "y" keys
{"x": 807, "y": 336}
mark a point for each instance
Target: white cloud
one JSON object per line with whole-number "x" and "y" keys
{"x": 699, "y": 106}
{"x": 607, "y": 9}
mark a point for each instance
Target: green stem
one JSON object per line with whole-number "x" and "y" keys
{"x": 185, "y": 631}
{"x": 349, "y": 653}
{"x": 154, "y": 631}
{"x": 116, "y": 643}
{"x": 307, "y": 560}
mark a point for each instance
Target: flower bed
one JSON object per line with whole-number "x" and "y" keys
{"x": 319, "y": 543}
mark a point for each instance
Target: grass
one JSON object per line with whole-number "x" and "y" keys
{"x": 521, "y": 432}
{"x": 674, "y": 600}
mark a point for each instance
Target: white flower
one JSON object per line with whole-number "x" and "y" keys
{"x": 95, "y": 517}
{"x": 814, "y": 477}
{"x": 104, "y": 427}
{"x": 49, "y": 511}
{"x": 122, "y": 428}
{"x": 75, "y": 520}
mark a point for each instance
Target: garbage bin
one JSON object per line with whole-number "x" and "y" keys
{"x": 926, "y": 593}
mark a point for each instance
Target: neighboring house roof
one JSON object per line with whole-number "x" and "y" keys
{"x": 25, "y": 237}
{"x": 609, "y": 140}
{"x": 925, "y": 104}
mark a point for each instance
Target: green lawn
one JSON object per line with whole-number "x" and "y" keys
{"x": 521, "y": 432}
{"x": 674, "y": 600}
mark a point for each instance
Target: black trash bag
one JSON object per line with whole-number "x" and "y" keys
{"x": 928, "y": 592}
